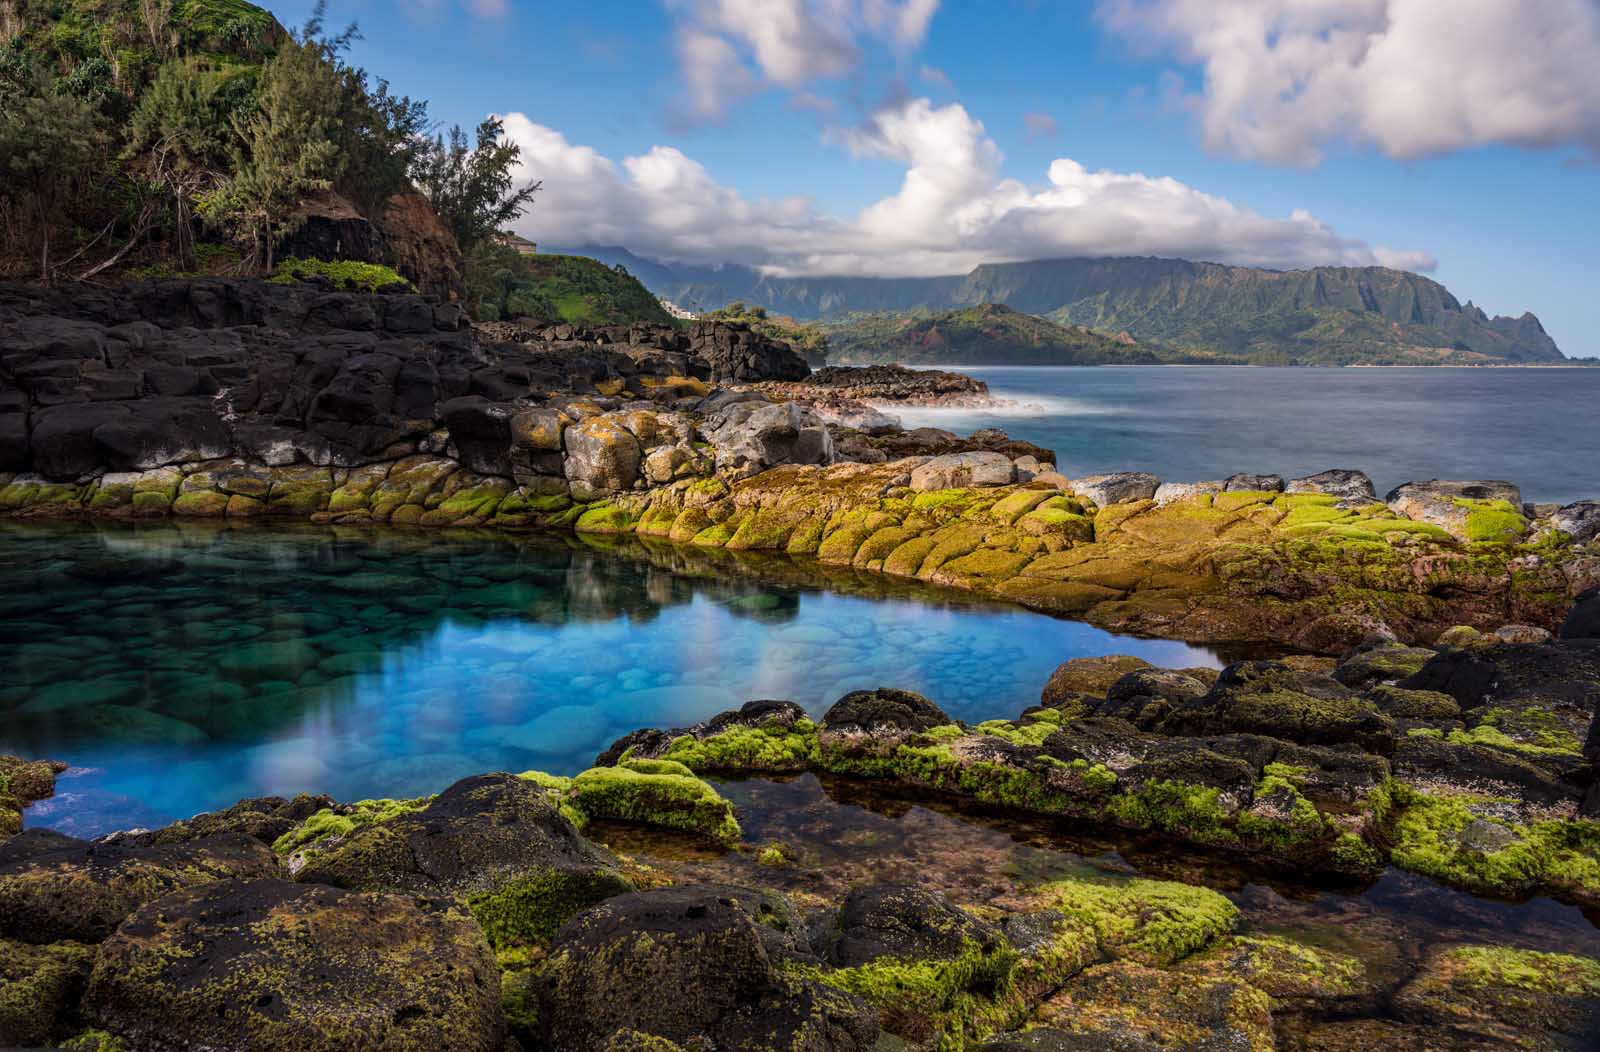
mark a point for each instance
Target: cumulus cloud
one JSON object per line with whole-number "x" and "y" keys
{"x": 729, "y": 49}
{"x": 951, "y": 211}
{"x": 1282, "y": 79}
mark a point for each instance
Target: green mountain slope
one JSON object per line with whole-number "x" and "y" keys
{"x": 1327, "y": 315}
{"x": 504, "y": 285}
{"x": 1322, "y": 315}
{"x": 991, "y": 334}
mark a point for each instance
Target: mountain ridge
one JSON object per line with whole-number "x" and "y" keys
{"x": 1320, "y": 315}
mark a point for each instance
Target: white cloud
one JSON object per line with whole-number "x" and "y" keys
{"x": 728, "y": 49}
{"x": 952, "y": 210}
{"x": 1282, "y": 79}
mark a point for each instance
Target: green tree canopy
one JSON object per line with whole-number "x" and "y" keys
{"x": 474, "y": 190}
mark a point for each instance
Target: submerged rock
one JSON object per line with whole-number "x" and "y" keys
{"x": 282, "y": 967}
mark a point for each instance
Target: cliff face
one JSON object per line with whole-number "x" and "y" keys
{"x": 1327, "y": 314}
{"x": 1324, "y": 315}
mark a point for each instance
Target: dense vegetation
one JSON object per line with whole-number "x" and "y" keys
{"x": 991, "y": 334}
{"x": 1322, "y": 315}
{"x": 809, "y": 339}
{"x": 504, "y": 285}
{"x": 144, "y": 134}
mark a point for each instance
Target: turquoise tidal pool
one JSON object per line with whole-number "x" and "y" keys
{"x": 180, "y": 668}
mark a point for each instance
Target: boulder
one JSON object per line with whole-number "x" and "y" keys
{"x": 884, "y": 709}
{"x": 1583, "y": 620}
{"x": 1253, "y": 484}
{"x": 1172, "y": 492}
{"x": 274, "y": 966}
{"x": 690, "y": 964}
{"x": 1271, "y": 699}
{"x": 1343, "y": 483}
{"x": 1120, "y": 488}
{"x": 1145, "y": 697}
{"x": 964, "y": 470}
{"x": 1484, "y": 990}
{"x": 1091, "y": 675}
{"x": 83, "y": 891}
{"x": 735, "y": 353}
{"x": 750, "y": 437}
{"x": 496, "y": 840}
{"x": 263, "y": 818}
{"x": 39, "y": 991}
{"x": 602, "y": 457}
{"x": 1375, "y": 663}
{"x": 1579, "y": 521}
{"x": 1469, "y": 511}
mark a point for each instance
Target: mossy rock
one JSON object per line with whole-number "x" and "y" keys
{"x": 1129, "y": 1005}
{"x": 1294, "y": 974}
{"x": 1507, "y": 993}
{"x": 39, "y": 990}
{"x": 664, "y": 794}
{"x": 1149, "y": 921}
{"x": 81, "y": 892}
{"x": 498, "y": 842}
{"x": 284, "y": 967}
{"x": 685, "y": 965}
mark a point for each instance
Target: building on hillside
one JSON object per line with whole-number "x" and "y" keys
{"x": 677, "y": 311}
{"x": 523, "y": 246}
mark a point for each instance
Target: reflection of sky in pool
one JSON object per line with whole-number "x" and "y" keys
{"x": 183, "y": 669}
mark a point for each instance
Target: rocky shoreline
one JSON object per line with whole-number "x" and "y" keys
{"x": 248, "y": 401}
{"x": 489, "y": 917}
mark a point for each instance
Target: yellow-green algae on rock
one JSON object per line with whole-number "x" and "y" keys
{"x": 663, "y": 793}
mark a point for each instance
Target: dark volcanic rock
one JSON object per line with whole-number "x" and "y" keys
{"x": 495, "y": 838}
{"x": 141, "y": 376}
{"x": 39, "y": 991}
{"x": 1272, "y": 699}
{"x": 895, "y": 920}
{"x": 883, "y": 709}
{"x": 1583, "y": 621}
{"x": 276, "y": 966}
{"x": 264, "y": 818}
{"x": 83, "y": 891}
{"x": 683, "y": 963}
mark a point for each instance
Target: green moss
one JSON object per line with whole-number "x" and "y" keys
{"x": 345, "y": 273}
{"x": 769, "y": 747}
{"x": 332, "y": 822}
{"x": 94, "y": 1041}
{"x": 1493, "y": 521}
{"x": 605, "y": 517}
{"x": 669, "y": 801}
{"x": 1281, "y": 817}
{"x": 1552, "y": 973}
{"x": 1453, "y": 839}
{"x": 1193, "y": 812}
{"x": 534, "y": 907}
{"x": 656, "y": 767}
{"x": 1531, "y": 730}
{"x": 952, "y": 997}
{"x": 1150, "y": 921}
{"x": 1027, "y": 734}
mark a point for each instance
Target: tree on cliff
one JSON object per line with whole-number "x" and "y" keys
{"x": 317, "y": 124}
{"x": 49, "y": 141}
{"x": 474, "y": 191}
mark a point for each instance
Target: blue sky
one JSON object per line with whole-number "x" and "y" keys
{"x": 913, "y": 136}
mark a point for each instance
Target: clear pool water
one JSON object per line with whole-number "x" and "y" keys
{"x": 180, "y": 668}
